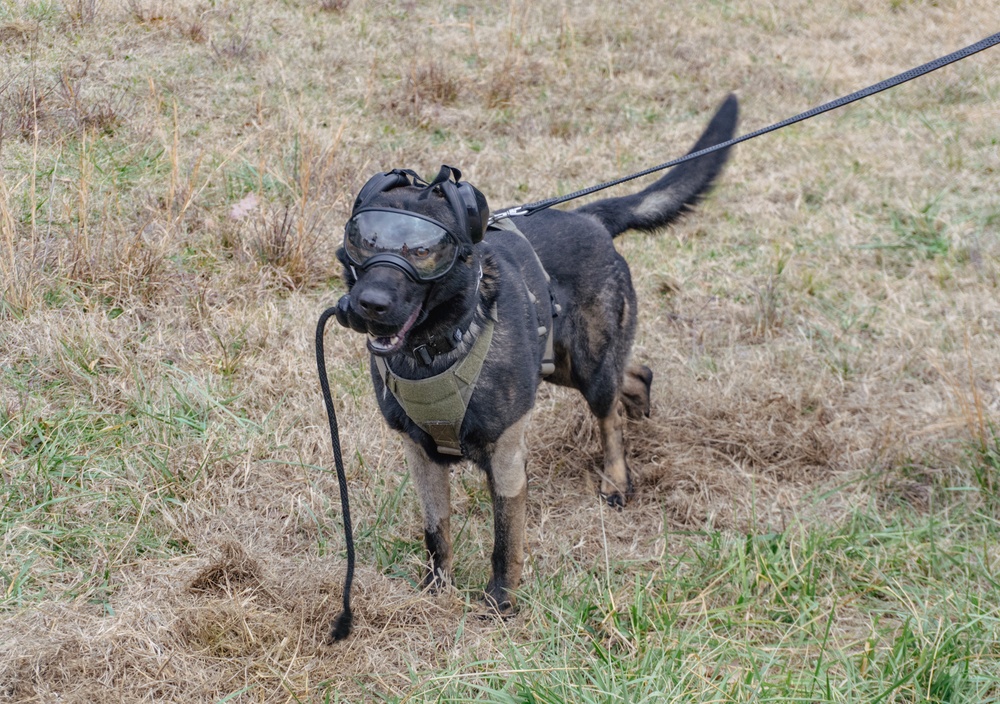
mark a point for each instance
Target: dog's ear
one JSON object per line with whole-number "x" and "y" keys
{"x": 468, "y": 203}
{"x": 482, "y": 211}
{"x": 349, "y": 278}
{"x": 382, "y": 182}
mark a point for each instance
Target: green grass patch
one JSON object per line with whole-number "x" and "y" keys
{"x": 887, "y": 609}
{"x": 83, "y": 486}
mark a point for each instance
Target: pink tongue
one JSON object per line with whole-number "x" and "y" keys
{"x": 409, "y": 323}
{"x": 386, "y": 343}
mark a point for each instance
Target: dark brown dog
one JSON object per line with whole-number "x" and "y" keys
{"x": 421, "y": 322}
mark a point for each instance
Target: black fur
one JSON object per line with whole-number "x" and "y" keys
{"x": 593, "y": 332}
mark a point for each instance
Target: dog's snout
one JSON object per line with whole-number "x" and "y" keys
{"x": 375, "y": 302}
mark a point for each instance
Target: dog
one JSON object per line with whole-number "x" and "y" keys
{"x": 461, "y": 314}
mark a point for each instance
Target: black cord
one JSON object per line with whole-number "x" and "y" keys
{"x": 832, "y": 105}
{"x": 342, "y": 626}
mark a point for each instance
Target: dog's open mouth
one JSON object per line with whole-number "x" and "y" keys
{"x": 383, "y": 345}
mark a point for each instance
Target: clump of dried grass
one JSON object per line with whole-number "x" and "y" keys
{"x": 333, "y": 5}
{"x": 234, "y": 570}
{"x": 505, "y": 82}
{"x": 82, "y": 13}
{"x": 103, "y": 113}
{"x": 25, "y": 108}
{"x": 147, "y": 11}
{"x": 280, "y": 239}
{"x": 236, "y": 44}
{"x": 37, "y": 108}
{"x": 292, "y": 239}
{"x": 427, "y": 86}
{"x": 16, "y": 32}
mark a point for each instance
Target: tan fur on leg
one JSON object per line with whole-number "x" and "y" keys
{"x": 509, "y": 488}
{"x": 616, "y": 485}
{"x": 509, "y": 456}
{"x": 508, "y": 550}
{"x": 432, "y": 481}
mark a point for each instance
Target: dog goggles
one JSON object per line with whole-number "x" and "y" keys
{"x": 423, "y": 248}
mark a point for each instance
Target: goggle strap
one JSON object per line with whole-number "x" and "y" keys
{"x": 416, "y": 180}
{"x": 447, "y": 173}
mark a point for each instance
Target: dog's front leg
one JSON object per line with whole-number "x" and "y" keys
{"x": 434, "y": 489}
{"x": 509, "y": 489}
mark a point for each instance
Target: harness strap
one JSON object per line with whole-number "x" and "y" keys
{"x": 437, "y": 404}
{"x": 548, "y": 359}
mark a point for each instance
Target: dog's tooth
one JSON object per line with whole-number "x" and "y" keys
{"x": 383, "y": 343}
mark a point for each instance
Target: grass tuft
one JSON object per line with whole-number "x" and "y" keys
{"x": 236, "y": 44}
{"x": 82, "y": 13}
{"x": 333, "y": 5}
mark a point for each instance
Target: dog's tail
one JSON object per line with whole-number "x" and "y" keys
{"x": 676, "y": 192}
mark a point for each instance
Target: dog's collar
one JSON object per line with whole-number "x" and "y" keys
{"x": 436, "y": 346}
{"x": 426, "y": 352}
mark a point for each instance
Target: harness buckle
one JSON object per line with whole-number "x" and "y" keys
{"x": 423, "y": 354}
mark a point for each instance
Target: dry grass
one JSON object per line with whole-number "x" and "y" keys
{"x": 817, "y": 486}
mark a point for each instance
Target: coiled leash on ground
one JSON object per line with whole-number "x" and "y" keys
{"x": 342, "y": 626}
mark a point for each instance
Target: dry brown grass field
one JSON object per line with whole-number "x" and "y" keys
{"x": 817, "y": 515}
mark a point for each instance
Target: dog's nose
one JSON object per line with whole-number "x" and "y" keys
{"x": 375, "y": 302}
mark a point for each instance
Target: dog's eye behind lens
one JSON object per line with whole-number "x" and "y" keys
{"x": 421, "y": 252}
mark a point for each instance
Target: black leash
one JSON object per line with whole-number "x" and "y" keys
{"x": 826, "y": 107}
{"x": 342, "y": 626}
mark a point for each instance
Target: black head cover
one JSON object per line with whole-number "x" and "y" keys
{"x": 467, "y": 203}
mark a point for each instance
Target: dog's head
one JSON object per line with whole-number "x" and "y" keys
{"x": 409, "y": 256}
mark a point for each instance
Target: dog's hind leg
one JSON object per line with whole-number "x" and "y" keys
{"x": 509, "y": 489}
{"x": 609, "y": 383}
{"x": 434, "y": 489}
{"x": 635, "y": 391}
{"x": 616, "y": 479}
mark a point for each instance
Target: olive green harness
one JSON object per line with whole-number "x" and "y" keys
{"x": 438, "y": 403}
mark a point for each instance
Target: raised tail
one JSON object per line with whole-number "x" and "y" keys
{"x": 679, "y": 190}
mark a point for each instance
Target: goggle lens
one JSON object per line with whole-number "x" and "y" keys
{"x": 424, "y": 244}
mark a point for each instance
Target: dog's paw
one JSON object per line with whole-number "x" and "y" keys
{"x": 636, "y": 408}
{"x": 435, "y": 581}
{"x": 616, "y": 499}
{"x": 505, "y": 609}
{"x": 499, "y": 601}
